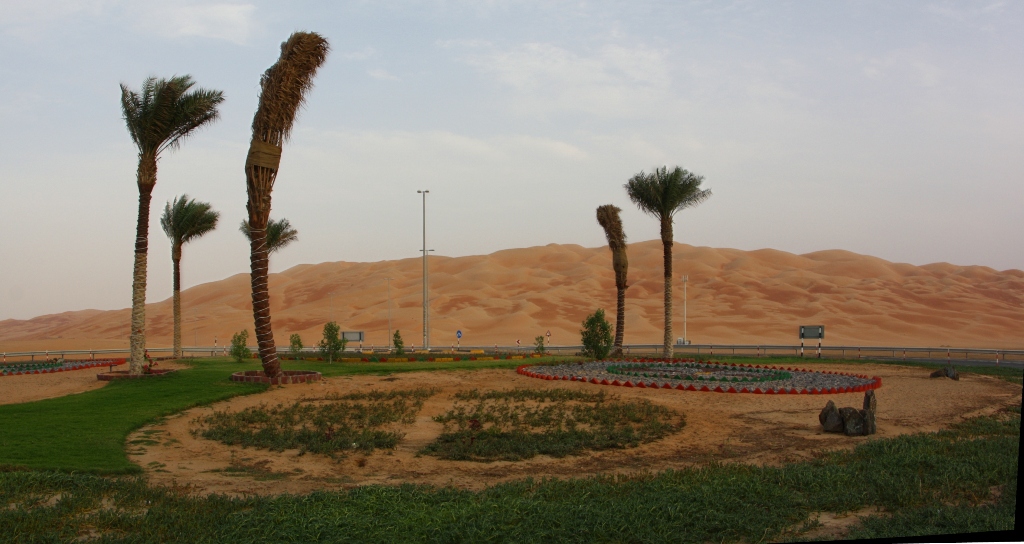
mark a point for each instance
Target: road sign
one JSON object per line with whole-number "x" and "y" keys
{"x": 549, "y": 334}
{"x": 812, "y": 331}
{"x": 458, "y": 334}
{"x": 517, "y": 342}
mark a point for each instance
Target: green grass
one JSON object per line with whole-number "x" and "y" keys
{"x": 87, "y": 431}
{"x": 328, "y": 425}
{"x": 512, "y": 425}
{"x": 953, "y": 482}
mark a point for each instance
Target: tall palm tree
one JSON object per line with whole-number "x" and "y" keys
{"x": 184, "y": 220}
{"x": 279, "y": 234}
{"x": 661, "y": 194}
{"x": 159, "y": 117}
{"x": 283, "y": 89}
{"x": 608, "y": 217}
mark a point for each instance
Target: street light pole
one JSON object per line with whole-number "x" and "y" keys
{"x": 331, "y": 294}
{"x": 390, "y": 338}
{"x": 426, "y": 303}
{"x": 685, "y": 280}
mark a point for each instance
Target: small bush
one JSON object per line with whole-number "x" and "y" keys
{"x": 596, "y": 336}
{"x": 398, "y": 344}
{"x": 538, "y": 345}
{"x": 239, "y": 347}
{"x": 295, "y": 346}
{"x": 332, "y": 344}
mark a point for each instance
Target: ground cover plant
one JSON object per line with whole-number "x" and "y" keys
{"x": 957, "y": 481}
{"x": 518, "y": 424}
{"x": 327, "y": 425}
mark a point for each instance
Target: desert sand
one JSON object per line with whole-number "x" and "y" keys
{"x": 742, "y": 428}
{"x": 734, "y": 296}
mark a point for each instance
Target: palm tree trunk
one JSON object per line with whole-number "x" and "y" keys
{"x": 259, "y": 262}
{"x": 176, "y": 267}
{"x": 137, "y": 340}
{"x": 666, "y": 242}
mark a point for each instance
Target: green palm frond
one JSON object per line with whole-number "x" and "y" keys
{"x": 662, "y": 193}
{"x": 280, "y": 233}
{"x": 166, "y": 111}
{"x": 186, "y": 219}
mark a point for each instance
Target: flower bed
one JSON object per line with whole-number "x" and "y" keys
{"x": 58, "y": 365}
{"x": 290, "y": 376}
{"x": 690, "y": 375}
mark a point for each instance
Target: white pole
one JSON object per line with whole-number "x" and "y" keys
{"x": 426, "y": 303}
{"x": 685, "y": 279}
{"x": 389, "y": 314}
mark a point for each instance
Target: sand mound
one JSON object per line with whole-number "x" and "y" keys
{"x": 737, "y": 296}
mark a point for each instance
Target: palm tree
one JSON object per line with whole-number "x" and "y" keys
{"x": 662, "y": 193}
{"x": 279, "y": 234}
{"x": 183, "y": 221}
{"x": 159, "y": 118}
{"x": 608, "y": 217}
{"x": 283, "y": 88}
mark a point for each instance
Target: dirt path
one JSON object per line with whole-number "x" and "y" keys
{"x": 747, "y": 428}
{"x": 31, "y": 387}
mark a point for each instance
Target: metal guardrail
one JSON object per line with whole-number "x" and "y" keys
{"x": 934, "y": 354}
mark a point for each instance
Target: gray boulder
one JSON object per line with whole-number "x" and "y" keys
{"x": 870, "y": 404}
{"x": 869, "y": 421}
{"x": 830, "y": 419}
{"x": 952, "y": 374}
{"x": 853, "y": 421}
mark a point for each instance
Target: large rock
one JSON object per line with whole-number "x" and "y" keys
{"x": 830, "y": 418}
{"x": 853, "y": 421}
{"x": 870, "y": 404}
{"x": 869, "y": 421}
{"x": 940, "y": 373}
{"x": 952, "y": 374}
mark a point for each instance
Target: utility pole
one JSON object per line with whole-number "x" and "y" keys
{"x": 426, "y": 282}
{"x": 685, "y": 280}
{"x": 390, "y": 338}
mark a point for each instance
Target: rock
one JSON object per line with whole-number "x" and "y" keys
{"x": 853, "y": 421}
{"x": 869, "y": 421}
{"x": 940, "y": 373}
{"x": 830, "y": 418}
{"x": 952, "y": 374}
{"x": 869, "y": 401}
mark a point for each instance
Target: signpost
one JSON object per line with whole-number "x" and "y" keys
{"x": 458, "y": 338}
{"x": 811, "y": 331}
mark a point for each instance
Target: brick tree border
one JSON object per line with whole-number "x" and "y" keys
{"x": 124, "y": 375}
{"x": 290, "y": 376}
{"x": 876, "y": 381}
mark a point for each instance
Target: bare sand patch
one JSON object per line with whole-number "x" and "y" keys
{"x": 32, "y": 387}
{"x": 744, "y": 428}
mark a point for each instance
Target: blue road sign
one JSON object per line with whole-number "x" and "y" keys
{"x": 458, "y": 334}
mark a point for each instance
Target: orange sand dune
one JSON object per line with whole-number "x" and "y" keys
{"x": 734, "y": 297}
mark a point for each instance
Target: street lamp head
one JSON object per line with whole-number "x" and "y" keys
{"x": 422, "y": 191}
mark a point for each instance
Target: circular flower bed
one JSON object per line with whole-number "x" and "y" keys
{"x": 289, "y": 376}
{"x": 692, "y": 375}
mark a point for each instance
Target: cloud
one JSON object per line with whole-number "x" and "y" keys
{"x": 362, "y": 54}
{"x": 614, "y": 80}
{"x": 382, "y": 74}
{"x": 908, "y": 64}
{"x": 222, "y": 21}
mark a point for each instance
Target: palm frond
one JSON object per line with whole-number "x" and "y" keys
{"x": 608, "y": 218}
{"x": 279, "y": 233}
{"x": 285, "y": 84}
{"x": 662, "y": 193}
{"x": 165, "y": 111}
{"x": 186, "y": 219}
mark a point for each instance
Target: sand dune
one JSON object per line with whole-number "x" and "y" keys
{"x": 734, "y": 296}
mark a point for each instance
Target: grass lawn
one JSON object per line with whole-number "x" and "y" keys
{"x": 957, "y": 481}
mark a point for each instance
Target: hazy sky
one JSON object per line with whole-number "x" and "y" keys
{"x": 893, "y": 129}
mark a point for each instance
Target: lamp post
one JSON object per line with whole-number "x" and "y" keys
{"x": 685, "y": 279}
{"x": 331, "y": 295}
{"x": 426, "y": 303}
{"x": 390, "y": 338}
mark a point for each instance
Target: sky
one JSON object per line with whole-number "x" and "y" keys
{"x": 891, "y": 129}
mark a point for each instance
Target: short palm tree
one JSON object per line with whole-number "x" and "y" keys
{"x": 608, "y": 218}
{"x": 661, "y": 194}
{"x": 279, "y": 234}
{"x": 283, "y": 89}
{"x": 159, "y": 117}
{"x": 184, "y": 220}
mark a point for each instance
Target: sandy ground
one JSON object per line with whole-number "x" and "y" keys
{"x": 30, "y": 387}
{"x": 734, "y": 296}
{"x": 743, "y": 428}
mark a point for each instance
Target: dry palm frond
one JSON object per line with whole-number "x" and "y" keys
{"x": 608, "y": 217}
